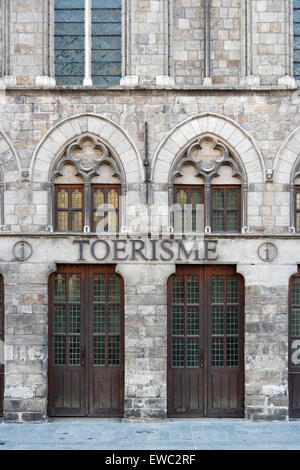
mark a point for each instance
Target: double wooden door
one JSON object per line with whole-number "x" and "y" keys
{"x": 294, "y": 346}
{"x": 205, "y": 342}
{"x": 86, "y": 342}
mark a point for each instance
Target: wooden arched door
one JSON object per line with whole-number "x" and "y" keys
{"x": 205, "y": 342}
{"x": 86, "y": 341}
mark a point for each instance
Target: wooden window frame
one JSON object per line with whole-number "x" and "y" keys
{"x": 190, "y": 188}
{"x": 68, "y": 187}
{"x": 297, "y": 190}
{"x": 105, "y": 188}
{"x": 208, "y": 202}
{"x": 225, "y": 210}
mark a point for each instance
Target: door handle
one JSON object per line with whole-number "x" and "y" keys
{"x": 201, "y": 357}
{"x": 83, "y": 356}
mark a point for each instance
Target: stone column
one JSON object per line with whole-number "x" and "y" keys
{"x": 266, "y": 340}
{"x": 145, "y": 339}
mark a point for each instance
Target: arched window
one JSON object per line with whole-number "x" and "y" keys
{"x": 208, "y": 189}
{"x": 85, "y": 188}
{"x": 87, "y": 42}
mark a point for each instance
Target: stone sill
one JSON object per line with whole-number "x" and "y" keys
{"x": 233, "y": 236}
{"x": 210, "y": 88}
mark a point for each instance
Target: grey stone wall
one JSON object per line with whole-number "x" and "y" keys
{"x": 249, "y": 102}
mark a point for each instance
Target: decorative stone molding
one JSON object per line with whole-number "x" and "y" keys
{"x": 269, "y": 175}
{"x": 87, "y": 154}
{"x": 239, "y": 141}
{"x": 111, "y": 134}
{"x": 207, "y": 172}
{"x": 285, "y": 161}
{"x": 207, "y": 164}
{"x": 88, "y": 166}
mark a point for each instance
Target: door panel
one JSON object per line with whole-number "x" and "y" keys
{"x": 205, "y": 342}
{"x": 294, "y": 346}
{"x": 225, "y": 342}
{"x": 106, "y": 346}
{"x": 1, "y": 344}
{"x": 86, "y": 371}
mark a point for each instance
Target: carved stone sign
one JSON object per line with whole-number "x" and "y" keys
{"x": 22, "y": 251}
{"x": 267, "y": 252}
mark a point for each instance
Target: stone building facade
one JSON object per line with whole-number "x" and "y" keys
{"x": 213, "y": 80}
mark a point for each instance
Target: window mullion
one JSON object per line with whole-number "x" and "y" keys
{"x": 88, "y": 44}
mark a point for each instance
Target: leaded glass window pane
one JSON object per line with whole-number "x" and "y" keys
{"x": 295, "y": 327}
{"x": 107, "y": 200}
{"x": 178, "y": 290}
{"x": 231, "y": 199}
{"x": 217, "y": 320}
{"x": 113, "y": 288}
{"x": 60, "y": 288}
{"x": 74, "y": 319}
{"x": 99, "y": 288}
{"x": 99, "y": 350}
{"x": 74, "y": 350}
{"x": 178, "y": 320}
{"x": 106, "y": 42}
{"x": 218, "y": 221}
{"x": 62, "y": 221}
{"x": 62, "y": 199}
{"x": 225, "y": 209}
{"x": 69, "y": 209}
{"x": 232, "y": 352}
{"x": 232, "y": 320}
{"x": 59, "y": 319}
{"x": 192, "y": 352}
{"x": 232, "y": 221}
{"x": 59, "y": 350}
{"x": 217, "y": 290}
{"x": 99, "y": 319}
{"x": 193, "y": 290}
{"x": 69, "y": 42}
{"x": 76, "y": 218}
{"x": 192, "y": 320}
{"x": 218, "y": 199}
{"x": 74, "y": 288}
{"x": 298, "y": 200}
{"x": 298, "y": 222}
{"x": 232, "y": 290}
{"x": 76, "y": 199}
{"x": 296, "y": 291}
{"x": 113, "y": 350}
{"x": 217, "y": 352}
{"x": 178, "y": 352}
{"x": 114, "y": 319}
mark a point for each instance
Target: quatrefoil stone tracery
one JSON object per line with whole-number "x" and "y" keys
{"x": 199, "y": 154}
{"x": 87, "y": 154}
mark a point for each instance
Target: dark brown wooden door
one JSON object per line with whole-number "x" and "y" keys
{"x": 294, "y": 346}
{"x": 205, "y": 342}
{"x": 86, "y": 342}
{"x": 1, "y": 344}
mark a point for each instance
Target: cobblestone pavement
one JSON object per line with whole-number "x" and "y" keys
{"x": 113, "y": 434}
